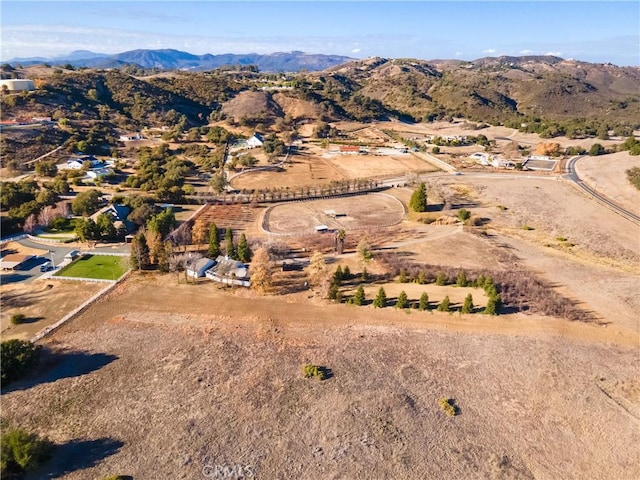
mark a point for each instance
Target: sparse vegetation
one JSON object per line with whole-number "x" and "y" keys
{"x": 448, "y": 406}
{"x": 314, "y": 371}
{"x": 633, "y": 174}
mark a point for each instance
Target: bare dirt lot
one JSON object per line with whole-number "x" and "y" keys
{"x": 152, "y": 383}
{"x": 351, "y": 213}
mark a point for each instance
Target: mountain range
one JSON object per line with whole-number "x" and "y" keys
{"x": 169, "y": 59}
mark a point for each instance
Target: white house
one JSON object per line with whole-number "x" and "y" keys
{"x": 128, "y": 137}
{"x": 198, "y": 268}
{"x": 255, "y": 141}
{"x": 17, "y": 85}
{"x": 76, "y": 163}
{"x": 231, "y": 272}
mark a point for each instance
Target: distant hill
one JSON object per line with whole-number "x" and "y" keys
{"x": 177, "y": 60}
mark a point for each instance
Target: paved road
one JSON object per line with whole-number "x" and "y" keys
{"x": 572, "y": 175}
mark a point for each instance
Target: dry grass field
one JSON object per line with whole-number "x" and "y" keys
{"x": 164, "y": 379}
{"x": 158, "y": 380}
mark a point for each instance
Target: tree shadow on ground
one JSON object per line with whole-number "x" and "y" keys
{"x": 56, "y": 365}
{"x": 77, "y": 455}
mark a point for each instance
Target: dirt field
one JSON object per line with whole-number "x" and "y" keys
{"x": 606, "y": 173}
{"x": 364, "y": 211}
{"x": 44, "y": 302}
{"x": 168, "y": 392}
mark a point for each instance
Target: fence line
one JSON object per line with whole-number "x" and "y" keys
{"x": 46, "y": 331}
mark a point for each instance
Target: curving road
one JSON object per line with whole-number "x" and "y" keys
{"x": 572, "y": 175}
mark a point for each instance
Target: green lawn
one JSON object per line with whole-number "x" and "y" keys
{"x": 105, "y": 267}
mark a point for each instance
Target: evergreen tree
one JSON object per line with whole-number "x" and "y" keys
{"x": 338, "y": 276}
{"x": 467, "y": 306}
{"x": 441, "y": 278}
{"x": 244, "y": 252}
{"x": 402, "y": 300}
{"x": 445, "y": 305}
{"x": 493, "y": 305}
{"x": 381, "y": 299}
{"x": 229, "y": 247}
{"x": 422, "y": 279}
{"x": 358, "y": 298}
{"x": 418, "y": 202}
{"x": 424, "y": 302}
{"x": 462, "y": 279}
{"x": 214, "y": 241}
{"x": 346, "y": 273}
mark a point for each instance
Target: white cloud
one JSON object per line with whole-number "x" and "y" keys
{"x": 356, "y": 50}
{"x": 489, "y": 50}
{"x": 526, "y": 52}
{"x": 555, "y": 54}
{"x": 459, "y": 54}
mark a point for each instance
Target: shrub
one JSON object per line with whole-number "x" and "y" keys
{"x": 464, "y": 214}
{"x": 18, "y": 318}
{"x": 17, "y": 357}
{"x": 462, "y": 279}
{"x": 449, "y": 406}
{"x": 527, "y": 228}
{"x": 314, "y": 371}
{"x": 23, "y": 452}
{"x": 441, "y": 278}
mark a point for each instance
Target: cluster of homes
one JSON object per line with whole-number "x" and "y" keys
{"x": 95, "y": 168}
{"x": 531, "y": 162}
{"x": 223, "y": 270}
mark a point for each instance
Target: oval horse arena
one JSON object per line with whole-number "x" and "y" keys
{"x": 347, "y": 213}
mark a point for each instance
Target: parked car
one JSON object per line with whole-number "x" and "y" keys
{"x": 45, "y": 267}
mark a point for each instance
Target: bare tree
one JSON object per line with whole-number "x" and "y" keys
{"x": 30, "y": 224}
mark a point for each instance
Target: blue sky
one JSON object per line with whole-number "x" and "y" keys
{"x": 584, "y": 30}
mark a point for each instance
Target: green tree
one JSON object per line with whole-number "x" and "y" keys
{"x": 359, "y": 298}
{"x": 218, "y": 182}
{"x": 467, "y": 306}
{"x": 338, "y": 275}
{"x": 163, "y": 222}
{"x": 402, "y": 300}
{"x": 402, "y": 278}
{"x": 17, "y": 357}
{"x": 418, "y": 202}
{"x": 493, "y": 305}
{"x": 87, "y": 230}
{"x": 424, "y": 301}
{"x": 445, "y": 305}
{"x": 462, "y": 279}
{"x": 229, "y": 247}
{"x": 86, "y": 203}
{"x": 23, "y": 452}
{"x": 334, "y": 290}
{"x": 105, "y": 226}
{"x": 596, "y": 149}
{"x": 346, "y": 273}
{"x": 381, "y": 299}
{"x": 214, "y": 241}
{"x": 244, "y": 252}
{"x": 46, "y": 169}
{"x": 441, "y": 278}
{"x": 422, "y": 278}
